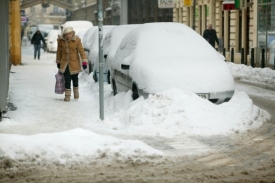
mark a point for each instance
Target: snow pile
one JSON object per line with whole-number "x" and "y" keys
{"x": 258, "y": 75}
{"x": 177, "y": 112}
{"x": 76, "y": 145}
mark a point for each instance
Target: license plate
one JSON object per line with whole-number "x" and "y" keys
{"x": 203, "y": 95}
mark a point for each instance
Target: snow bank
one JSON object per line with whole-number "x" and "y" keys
{"x": 177, "y": 112}
{"x": 77, "y": 145}
{"x": 248, "y": 73}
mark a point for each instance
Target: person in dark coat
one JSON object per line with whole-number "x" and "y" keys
{"x": 36, "y": 41}
{"x": 210, "y": 36}
{"x": 22, "y": 33}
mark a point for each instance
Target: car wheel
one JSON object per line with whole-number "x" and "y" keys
{"x": 95, "y": 76}
{"x": 135, "y": 92}
{"x": 114, "y": 87}
{"x": 108, "y": 78}
{"x": 90, "y": 67}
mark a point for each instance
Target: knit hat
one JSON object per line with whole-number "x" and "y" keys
{"x": 67, "y": 30}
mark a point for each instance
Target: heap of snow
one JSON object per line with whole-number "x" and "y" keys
{"x": 248, "y": 73}
{"x": 76, "y": 145}
{"x": 178, "y": 112}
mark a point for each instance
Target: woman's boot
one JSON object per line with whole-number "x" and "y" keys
{"x": 67, "y": 95}
{"x": 76, "y": 93}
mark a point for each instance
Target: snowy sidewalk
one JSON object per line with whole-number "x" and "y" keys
{"x": 73, "y": 129}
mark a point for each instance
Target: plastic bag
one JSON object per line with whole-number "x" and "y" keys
{"x": 60, "y": 83}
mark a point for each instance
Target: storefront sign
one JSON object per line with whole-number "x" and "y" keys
{"x": 240, "y": 4}
{"x": 166, "y": 4}
{"x": 187, "y": 2}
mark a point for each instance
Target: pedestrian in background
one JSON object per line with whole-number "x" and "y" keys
{"x": 68, "y": 61}
{"x": 36, "y": 41}
{"x": 210, "y": 35}
{"x": 22, "y": 32}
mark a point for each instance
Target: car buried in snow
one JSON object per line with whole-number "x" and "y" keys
{"x": 110, "y": 44}
{"x": 155, "y": 57}
{"x": 93, "y": 48}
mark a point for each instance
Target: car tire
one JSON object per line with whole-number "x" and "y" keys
{"x": 95, "y": 76}
{"x": 114, "y": 87}
{"x": 135, "y": 94}
{"x": 90, "y": 67}
{"x": 108, "y": 78}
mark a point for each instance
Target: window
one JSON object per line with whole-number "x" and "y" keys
{"x": 55, "y": 9}
{"x": 32, "y": 9}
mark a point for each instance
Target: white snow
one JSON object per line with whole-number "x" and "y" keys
{"x": 78, "y": 25}
{"x": 75, "y": 145}
{"x": 113, "y": 38}
{"x": 167, "y": 55}
{"x": 93, "y": 55}
{"x": 257, "y": 75}
{"x": 44, "y": 127}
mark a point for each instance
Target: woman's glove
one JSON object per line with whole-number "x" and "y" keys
{"x": 58, "y": 66}
{"x": 84, "y": 65}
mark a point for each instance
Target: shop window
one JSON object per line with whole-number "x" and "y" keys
{"x": 32, "y": 9}
{"x": 55, "y": 9}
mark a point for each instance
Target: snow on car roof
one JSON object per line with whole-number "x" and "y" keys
{"x": 87, "y": 36}
{"x": 94, "y": 43}
{"x": 114, "y": 38}
{"x": 78, "y": 25}
{"x": 172, "y": 55}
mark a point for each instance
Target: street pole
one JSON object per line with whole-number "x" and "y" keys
{"x": 100, "y": 37}
{"x": 4, "y": 55}
{"x": 194, "y": 15}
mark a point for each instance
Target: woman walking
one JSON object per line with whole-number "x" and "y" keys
{"x": 68, "y": 61}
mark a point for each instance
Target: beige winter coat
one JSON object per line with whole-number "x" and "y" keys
{"x": 68, "y": 53}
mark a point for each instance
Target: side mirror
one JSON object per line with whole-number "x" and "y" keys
{"x": 86, "y": 49}
{"x": 125, "y": 67}
{"x": 105, "y": 56}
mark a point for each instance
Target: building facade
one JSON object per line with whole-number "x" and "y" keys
{"x": 239, "y": 29}
{"x": 243, "y": 29}
{"x": 45, "y": 14}
{"x": 118, "y": 12}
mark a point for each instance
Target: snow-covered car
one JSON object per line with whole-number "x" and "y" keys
{"x": 110, "y": 44}
{"x": 94, "y": 46}
{"x": 86, "y": 41}
{"x": 155, "y": 57}
{"x": 52, "y": 41}
{"x": 78, "y": 25}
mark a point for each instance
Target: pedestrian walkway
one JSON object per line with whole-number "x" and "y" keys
{"x": 38, "y": 108}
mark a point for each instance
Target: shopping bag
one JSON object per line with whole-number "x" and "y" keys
{"x": 60, "y": 83}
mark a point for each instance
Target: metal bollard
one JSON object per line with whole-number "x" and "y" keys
{"x": 232, "y": 55}
{"x": 223, "y": 52}
{"x": 252, "y": 58}
{"x": 263, "y": 58}
{"x": 242, "y": 56}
